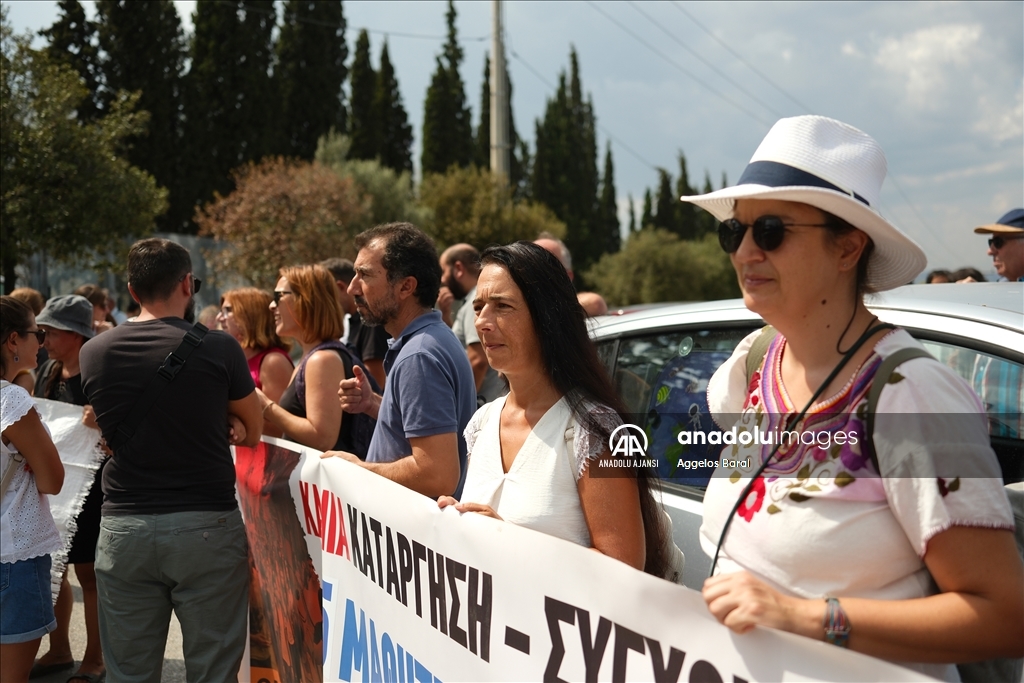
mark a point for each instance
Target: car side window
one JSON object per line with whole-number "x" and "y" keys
{"x": 663, "y": 380}
{"x": 997, "y": 381}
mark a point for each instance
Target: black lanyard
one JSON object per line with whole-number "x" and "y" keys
{"x": 760, "y": 470}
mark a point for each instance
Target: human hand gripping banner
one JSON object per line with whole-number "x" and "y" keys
{"x": 411, "y": 593}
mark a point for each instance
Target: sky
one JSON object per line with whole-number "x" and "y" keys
{"x": 940, "y": 85}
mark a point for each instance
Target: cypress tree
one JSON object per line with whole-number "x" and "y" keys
{"x": 647, "y": 217}
{"x": 518, "y": 151}
{"x": 395, "y": 141}
{"x": 364, "y": 124}
{"x": 665, "y": 208}
{"x": 609, "y": 208}
{"x": 229, "y": 92}
{"x": 689, "y": 225}
{"x": 72, "y": 41}
{"x": 482, "y": 148}
{"x": 144, "y": 49}
{"x": 447, "y": 124}
{"x": 565, "y": 167}
{"x": 632, "y": 214}
{"x": 311, "y": 51}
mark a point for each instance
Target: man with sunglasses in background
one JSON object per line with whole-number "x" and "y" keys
{"x": 171, "y": 536}
{"x": 1006, "y": 245}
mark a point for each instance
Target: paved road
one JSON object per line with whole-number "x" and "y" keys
{"x": 174, "y": 665}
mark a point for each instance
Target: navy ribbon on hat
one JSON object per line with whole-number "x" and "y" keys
{"x": 775, "y": 174}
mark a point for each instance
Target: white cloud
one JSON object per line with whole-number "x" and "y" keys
{"x": 999, "y": 122}
{"x": 851, "y": 50}
{"x": 923, "y": 59}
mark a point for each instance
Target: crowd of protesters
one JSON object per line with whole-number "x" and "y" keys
{"x": 490, "y": 398}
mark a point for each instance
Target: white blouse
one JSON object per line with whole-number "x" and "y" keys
{"x": 539, "y": 490}
{"x": 26, "y": 526}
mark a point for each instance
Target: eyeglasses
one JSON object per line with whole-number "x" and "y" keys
{"x": 768, "y": 232}
{"x": 278, "y": 293}
{"x": 999, "y": 241}
{"x": 40, "y": 334}
{"x": 196, "y": 282}
{"x": 226, "y": 310}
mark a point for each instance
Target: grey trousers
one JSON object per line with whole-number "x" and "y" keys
{"x": 195, "y": 563}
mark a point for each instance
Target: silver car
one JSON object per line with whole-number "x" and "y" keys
{"x": 662, "y": 357}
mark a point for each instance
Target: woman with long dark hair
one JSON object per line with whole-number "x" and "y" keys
{"x": 533, "y": 453}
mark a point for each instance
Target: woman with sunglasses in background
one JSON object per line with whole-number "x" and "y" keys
{"x": 912, "y": 560}
{"x": 245, "y": 315}
{"x": 305, "y": 307}
{"x": 29, "y": 467}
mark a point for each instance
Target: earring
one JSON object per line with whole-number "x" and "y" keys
{"x": 16, "y": 359}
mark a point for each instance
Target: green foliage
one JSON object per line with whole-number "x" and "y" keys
{"x": 311, "y": 69}
{"x": 468, "y": 205}
{"x": 519, "y": 154}
{"x": 364, "y": 125}
{"x": 632, "y": 214}
{"x": 565, "y": 167}
{"x": 230, "y": 98}
{"x": 647, "y": 217}
{"x": 665, "y": 216}
{"x": 63, "y": 186}
{"x": 388, "y": 194}
{"x": 395, "y": 149}
{"x": 282, "y": 213}
{"x": 447, "y": 125}
{"x": 71, "y": 40}
{"x": 655, "y": 265}
{"x": 690, "y": 225}
{"x": 608, "y": 210}
{"x": 144, "y": 51}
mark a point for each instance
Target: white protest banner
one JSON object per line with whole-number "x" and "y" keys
{"x": 81, "y": 456}
{"x": 413, "y": 593}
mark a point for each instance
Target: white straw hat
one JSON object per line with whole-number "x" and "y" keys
{"x": 832, "y": 166}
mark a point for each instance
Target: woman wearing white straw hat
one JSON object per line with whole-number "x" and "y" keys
{"x": 913, "y": 559}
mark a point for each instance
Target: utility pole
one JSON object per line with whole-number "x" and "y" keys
{"x": 500, "y": 147}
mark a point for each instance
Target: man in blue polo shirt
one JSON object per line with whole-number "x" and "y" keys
{"x": 429, "y": 395}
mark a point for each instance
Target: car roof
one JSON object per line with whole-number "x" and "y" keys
{"x": 995, "y": 303}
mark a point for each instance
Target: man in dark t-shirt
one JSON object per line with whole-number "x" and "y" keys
{"x": 171, "y": 536}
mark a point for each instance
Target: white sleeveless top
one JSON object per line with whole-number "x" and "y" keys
{"x": 26, "y": 525}
{"x": 539, "y": 490}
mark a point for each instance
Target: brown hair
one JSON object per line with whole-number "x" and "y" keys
{"x": 835, "y": 228}
{"x": 29, "y": 296}
{"x": 251, "y": 308}
{"x": 317, "y": 310}
{"x": 15, "y": 316}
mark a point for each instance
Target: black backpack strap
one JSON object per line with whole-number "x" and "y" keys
{"x": 348, "y": 358}
{"x": 756, "y": 354}
{"x": 882, "y": 377}
{"x": 165, "y": 374}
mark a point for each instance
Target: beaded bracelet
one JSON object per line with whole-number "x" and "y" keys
{"x": 836, "y": 623}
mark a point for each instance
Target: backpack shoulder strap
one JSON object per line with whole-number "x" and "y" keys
{"x": 165, "y": 374}
{"x": 881, "y": 378}
{"x": 758, "y": 350}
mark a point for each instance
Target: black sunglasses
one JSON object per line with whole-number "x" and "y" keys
{"x": 278, "y": 293}
{"x": 999, "y": 241}
{"x": 40, "y": 334}
{"x": 768, "y": 232}
{"x": 196, "y": 282}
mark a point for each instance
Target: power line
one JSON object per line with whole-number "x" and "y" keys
{"x": 740, "y": 57}
{"x": 603, "y": 129}
{"x": 661, "y": 54}
{"x": 697, "y": 55}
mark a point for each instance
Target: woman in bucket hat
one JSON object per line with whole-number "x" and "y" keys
{"x": 814, "y": 537}
{"x": 68, "y": 323}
